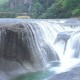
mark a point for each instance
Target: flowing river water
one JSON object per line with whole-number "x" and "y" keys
{"x": 37, "y": 49}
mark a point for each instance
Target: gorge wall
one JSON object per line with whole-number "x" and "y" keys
{"x": 19, "y": 3}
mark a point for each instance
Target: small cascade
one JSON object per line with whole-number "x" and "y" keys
{"x": 67, "y": 46}
{"x": 73, "y": 46}
{"x": 60, "y": 43}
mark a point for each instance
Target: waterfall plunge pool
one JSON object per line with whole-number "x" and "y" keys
{"x": 44, "y": 74}
{"x": 49, "y": 72}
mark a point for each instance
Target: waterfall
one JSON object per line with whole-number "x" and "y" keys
{"x": 32, "y": 45}
{"x": 73, "y": 46}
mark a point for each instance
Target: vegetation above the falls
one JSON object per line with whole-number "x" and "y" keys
{"x": 40, "y": 8}
{"x": 3, "y": 1}
{"x": 63, "y": 9}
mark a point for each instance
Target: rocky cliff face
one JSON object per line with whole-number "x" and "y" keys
{"x": 19, "y": 3}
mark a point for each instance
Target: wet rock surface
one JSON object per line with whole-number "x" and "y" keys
{"x": 74, "y": 74}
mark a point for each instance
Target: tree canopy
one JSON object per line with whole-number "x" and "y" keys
{"x": 45, "y": 8}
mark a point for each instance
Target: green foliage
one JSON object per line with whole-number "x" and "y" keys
{"x": 40, "y": 7}
{"x": 76, "y": 12}
{"x": 44, "y": 8}
{"x": 37, "y": 9}
{"x": 7, "y": 15}
{"x": 50, "y": 12}
{"x": 3, "y": 1}
{"x": 63, "y": 9}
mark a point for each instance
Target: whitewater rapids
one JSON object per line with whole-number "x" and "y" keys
{"x": 30, "y": 45}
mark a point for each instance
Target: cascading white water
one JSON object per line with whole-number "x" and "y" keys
{"x": 73, "y": 46}
{"x": 67, "y": 45}
{"x": 33, "y": 45}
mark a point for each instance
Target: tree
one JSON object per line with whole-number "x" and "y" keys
{"x": 37, "y": 10}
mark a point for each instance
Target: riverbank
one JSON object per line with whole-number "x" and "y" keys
{"x": 74, "y": 74}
